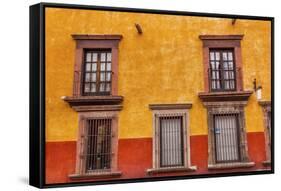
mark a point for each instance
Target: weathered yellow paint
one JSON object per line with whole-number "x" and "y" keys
{"x": 163, "y": 65}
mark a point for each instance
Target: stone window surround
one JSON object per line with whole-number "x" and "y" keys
{"x": 80, "y": 160}
{"x": 266, "y": 107}
{"x": 174, "y": 110}
{"x": 230, "y": 107}
{"x": 222, "y": 41}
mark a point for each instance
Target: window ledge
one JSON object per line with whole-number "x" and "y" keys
{"x": 231, "y": 165}
{"x": 95, "y": 175}
{"x": 266, "y": 163}
{"x": 92, "y": 100}
{"x": 171, "y": 170}
{"x": 224, "y": 96}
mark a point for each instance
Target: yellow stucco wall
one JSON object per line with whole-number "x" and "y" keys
{"x": 163, "y": 65}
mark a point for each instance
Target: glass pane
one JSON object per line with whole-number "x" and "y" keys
{"x": 94, "y": 67}
{"x": 108, "y": 87}
{"x": 95, "y": 57}
{"x": 217, "y": 65}
{"x": 87, "y": 87}
{"x": 108, "y": 76}
{"x": 212, "y": 55}
{"x": 87, "y": 77}
{"x": 230, "y": 56}
{"x": 108, "y": 57}
{"x": 88, "y": 67}
{"x": 213, "y": 65}
{"x": 102, "y": 67}
{"x": 102, "y": 87}
{"x": 217, "y": 56}
{"x": 94, "y": 77}
{"x": 224, "y": 56}
{"x": 93, "y": 87}
{"x": 88, "y": 57}
{"x": 108, "y": 66}
{"x": 102, "y": 76}
{"x": 225, "y": 65}
{"x": 230, "y": 65}
{"x": 103, "y": 57}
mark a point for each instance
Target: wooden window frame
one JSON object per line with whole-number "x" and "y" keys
{"x": 217, "y": 108}
{"x": 95, "y": 42}
{"x": 80, "y": 169}
{"x": 222, "y": 42}
{"x": 266, "y": 108}
{"x": 179, "y": 110}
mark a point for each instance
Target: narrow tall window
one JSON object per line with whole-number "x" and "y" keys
{"x": 98, "y": 146}
{"x": 97, "y": 72}
{"x": 171, "y": 141}
{"x": 222, "y": 72}
{"x": 226, "y": 136}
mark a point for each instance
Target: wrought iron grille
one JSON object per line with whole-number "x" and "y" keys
{"x": 171, "y": 141}
{"x": 98, "y": 146}
{"x": 97, "y": 72}
{"x": 222, "y": 72}
{"x": 227, "y": 140}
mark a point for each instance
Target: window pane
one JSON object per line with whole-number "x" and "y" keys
{"x": 102, "y": 68}
{"x": 108, "y": 57}
{"x": 95, "y": 57}
{"x": 171, "y": 141}
{"x": 108, "y": 76}
{"x": 93, "y": 87}
{"x": 88, "y": 57}
{"x": 87, "y": 87}
{"x": 230, "y": 56}
{"x": 212, "y": 55}
{"x": 102, "y": 87}
{"x": 226, "y": 138}
{"x": 217, "y": 56}
{"x": 87, "y": 77}
{"x": 108, "y": 66}
{"x": 94, "y": 67}
{"x": 103, "y": 57}
{"x": 108, "y": 87}
{"x": 102, "y": 76}
{"x": 224, "y": 56}
{"x": 88, "y": 67}
{"x": 94, "y": 77}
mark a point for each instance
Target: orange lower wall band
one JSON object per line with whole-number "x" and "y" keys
{"x": 135, "y": 157}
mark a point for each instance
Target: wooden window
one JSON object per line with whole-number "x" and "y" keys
{"x": 226, "y": 136}
{"x": 171, "y": 141}
{"x": 97, "y": 72}
{"x": 222, "y": 63}
{"x": 222, "y": 72}
{"x": 96, "y": 65}
{"x": 171, "y": 148}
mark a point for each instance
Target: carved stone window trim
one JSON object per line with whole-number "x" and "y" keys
{"x": 266, "y": 108}
{"x": 222, "y": 42}
{"x": 235, "y": 107}
{"x": 159, "y": 110}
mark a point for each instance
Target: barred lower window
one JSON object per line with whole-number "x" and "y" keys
{"x": 97, "y": 72}
{"x": 222, "y": 72}
{"x": 98, "y": 144}
{"x": 226, "y": 134}
{"x": 171, "y": 141}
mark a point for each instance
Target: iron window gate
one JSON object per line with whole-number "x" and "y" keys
{"x": 227, "y": 139}
{"x": 98, "y": 145}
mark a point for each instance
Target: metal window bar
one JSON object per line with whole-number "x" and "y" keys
{"x": 96, "y": 75}
{"x": 222, "y": 72}
{"x": 98, "y": 145}
{"x": 171, "y": 141}
{"x": 226, "y": 138}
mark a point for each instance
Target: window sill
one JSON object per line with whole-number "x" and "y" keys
{"x": 171, "y": 170}
{"x": 92, "y": 100}
{"x": 231, "y": 165}
{"x": 95, "y": 175}
{"x": 224, "y": 96}
{"x": 266, "y": 163}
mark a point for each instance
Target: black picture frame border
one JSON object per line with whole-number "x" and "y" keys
{"x": 37, "y": 93}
